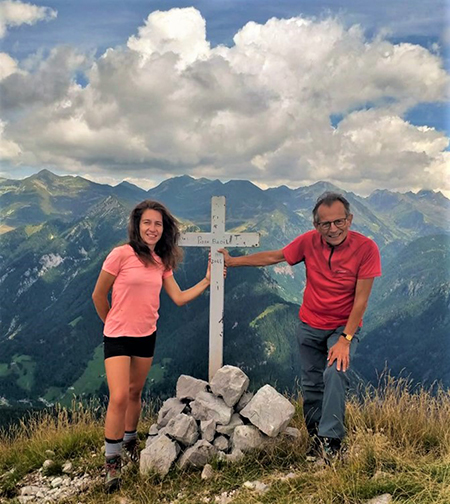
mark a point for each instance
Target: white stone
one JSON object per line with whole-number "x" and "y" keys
{"x": 292, "y": 432}
{"x": 30, "y": 490}
{"x": 198, "y": 455}
{"x": 170, "y": 408}
{"x": 23, "y": 499}
{"x": 208, "y": 429}
{"x": 67, "y": 467}
{"x": 243, "y": 401}
{"x": 159, "y": 456}
{"x": 208, "y": 472}
{"x": 154, "y": 430}
{"x": 381, "y": 499}
{"x": 230, "y": 383}
{"x": 57, "y": 482}
{"x": 209, "y": 407}
{"x": 152, "y": 439}
{"x": 235, "y": 456}
{"x": 246, "y": 437}
{"x": 221, "y": 443}
{"x": 269, "y": 411}
{"x": 183, "y": 428}
{"x": 258, "y": 486}
{"x": 229, "y": 428}
{"x": 188, "y": 387}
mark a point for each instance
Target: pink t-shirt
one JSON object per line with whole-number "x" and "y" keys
{"x": 135, "y": 293}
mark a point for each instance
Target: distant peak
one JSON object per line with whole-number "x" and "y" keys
{"x": 183, "y": 177}
{"x": 325, "y": 186}
{"x": 124, "y": 183}
{"x": 44, "y": 174}
{"x": 240, "y": 183}
{"x": 431, "y": 195}
{"x": 380, "y": 191}
{"x": 426, "y": 192}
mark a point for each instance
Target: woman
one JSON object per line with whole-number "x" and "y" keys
{"x": 135, "y": 272}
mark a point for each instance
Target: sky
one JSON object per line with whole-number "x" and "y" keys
{"x": 290, "y": 92}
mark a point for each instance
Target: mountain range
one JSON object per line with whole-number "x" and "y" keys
{"x": 56, "y": 232}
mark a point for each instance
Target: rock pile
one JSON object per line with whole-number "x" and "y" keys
{"x": 220, "y": 418}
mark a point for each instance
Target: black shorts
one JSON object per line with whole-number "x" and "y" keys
{"x": 132, "y": 346}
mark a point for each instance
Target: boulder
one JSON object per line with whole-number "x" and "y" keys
{"x": 188, "y": 387}
{"x": 246, "y": 438}
{"x": 229, "y": 428}
{"x": 183, "y": 428}
{"x": 208, "y": 430}
{"x": 209, "y": 407}
{"x": 170, "y": 408}
{"x": 269, "y": 411}
{"x": 230, "y": 383}
{"x": 159, "y": 456}
{"x": 198, "y": 455}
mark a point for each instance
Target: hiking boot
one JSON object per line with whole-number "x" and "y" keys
{"x": 131, "y": 450}
{"x": 112, "y": 477}
{"x": 314, "y": 449}
{"x": 331, "y": 449}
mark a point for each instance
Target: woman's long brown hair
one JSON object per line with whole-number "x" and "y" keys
{"x": 167, "y": 247}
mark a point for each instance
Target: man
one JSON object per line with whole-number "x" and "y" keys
{"x": 340, "y": 269}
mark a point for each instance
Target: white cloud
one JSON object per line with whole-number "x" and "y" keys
{"x": 16, "y": 13}
{"x": 180, "y": 31}
{"x": 168, "y": 103}
{"x": 8, "y": 65}
{"x": 9, "y": 150}
{"x": 368, "y": 149}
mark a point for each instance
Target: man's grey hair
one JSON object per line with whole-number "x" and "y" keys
{"x": 327, "y": 199}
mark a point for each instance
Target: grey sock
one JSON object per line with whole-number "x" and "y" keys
{"x": 129, "y": 436}
{"x": 113, "y": 447}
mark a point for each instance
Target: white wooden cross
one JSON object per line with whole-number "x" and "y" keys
{"x": 217, "y": 239}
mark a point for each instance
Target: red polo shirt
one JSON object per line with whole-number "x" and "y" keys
{"x": 331, "y": 275}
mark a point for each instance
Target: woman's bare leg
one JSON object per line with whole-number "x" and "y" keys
{"x": 139, "y": 369}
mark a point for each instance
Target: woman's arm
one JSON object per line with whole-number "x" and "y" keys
{"x": 180, "y": 297}
{"x": 100, "y": 295}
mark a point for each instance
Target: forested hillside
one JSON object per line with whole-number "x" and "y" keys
{"x": 58, "y": 230}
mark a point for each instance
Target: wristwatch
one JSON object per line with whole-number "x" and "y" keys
{"x": 348, "y": 337}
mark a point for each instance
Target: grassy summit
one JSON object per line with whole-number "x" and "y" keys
{"x": 398, "y": 444}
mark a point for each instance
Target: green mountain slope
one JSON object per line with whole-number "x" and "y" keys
{"x": 46, "y": 196}
{"x": 408, "y": 328}
{"x": 50, "y": 335}
{"x": 417, "y": 214}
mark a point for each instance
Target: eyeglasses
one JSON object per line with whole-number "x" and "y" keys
{"x": 339, "y": 223}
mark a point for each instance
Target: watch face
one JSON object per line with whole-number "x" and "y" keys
{"x": 348, "y": 337}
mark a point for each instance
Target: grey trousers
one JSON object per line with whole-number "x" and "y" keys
{"x": 323, "y": 387}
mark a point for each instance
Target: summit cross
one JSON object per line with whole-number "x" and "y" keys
{"x": 216, "y": 239}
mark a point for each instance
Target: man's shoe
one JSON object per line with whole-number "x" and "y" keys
{"x": 131, "y": 450}
{"x": 113, "y": 467}
{"x": 315, "y": 448}
{"x": 331, "y": 449}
